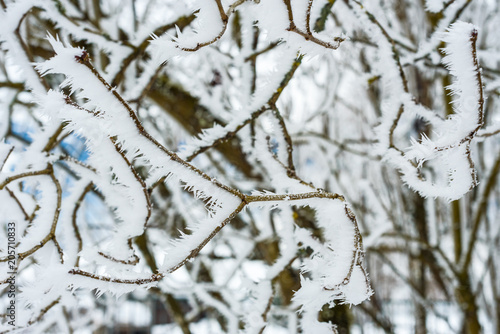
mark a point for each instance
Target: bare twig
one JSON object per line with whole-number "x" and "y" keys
{"x": 246, "y": 199}
{"x": 288, "y": 140}
{"x": 52, "y": 234}
{"x": 43, "y": 311}
{"x": 84, "y": 60}
{"x": 181, "y": 23}
{"x": 6, "y": 158}
{"x": 140, "y": 281}
{"x": 480, "y": 211}
{"x": 10, "y": 179}
{"x": 308, "y": 36}
{"x": 224, "y": 18}
{"x": 78, "y": 203}
{"x": 254, "y": 55}
{"x": 11, "y": 193}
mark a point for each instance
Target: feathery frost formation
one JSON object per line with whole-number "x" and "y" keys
{"x": 225, "y": 158}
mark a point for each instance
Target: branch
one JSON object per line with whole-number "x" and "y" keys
{"x": 9, "y": 179}
{"x": 480, "y": 118}
{"x": 196, "y": 250}
{"x": 344, "y": 146}
{"x": 421, "y": 299}
{"x": 308, "y": 36}
{"x": 271, "y": 103}
{"x": 246, "y": 199}
{"x": 78, "y": 203}
{"x": 292, "y": 197}
{"x": 288, "y": 140}
{"x": 52, "y": 234}
{"x": 181, "y": 23}
{"x": 395, "y": 55}
{"x": 289, "y": 171}
{"x": 254, "y": 55}
{"x": 481, "y": 209}
{"x": 224, "y": 18}
{"x": 11, "y": 193}
{"x": 139, "y": 281}
{"x": 44, "y": 310}
{"x": 6, "y": 158}
{"x": 308, "y": 17}
{"x": 84, "y": 60}
{"x": 14, "y": 85}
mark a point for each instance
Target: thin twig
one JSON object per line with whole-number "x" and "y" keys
{"x": 10, "y": 179}
{"x": 140, "y": 281}
{"x": 78, "y": 204}
{"x": 308, "y": 36}
{"x": 131, "y": 261}
{"x": 247, "y": 199}
{"x": 308, "y": 17}
{"x": 6, "y": 158}
{"x": 254, "y": 55}
{"x": 224, "y": 18}
{"x": 11, "y": 193}
{"x": 84, "y": 60}
{"x": 52, "y": 233}
{"x": 181, "y": 23}
{"x": 291, "y": 173}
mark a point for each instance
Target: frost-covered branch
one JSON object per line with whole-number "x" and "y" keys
{"x": 308, "y": 36}
{"x": 236, "y": 164}
{"x": 461, "y": 59}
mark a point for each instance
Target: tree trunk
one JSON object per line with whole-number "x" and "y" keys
{"x": 467, "y": 301}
